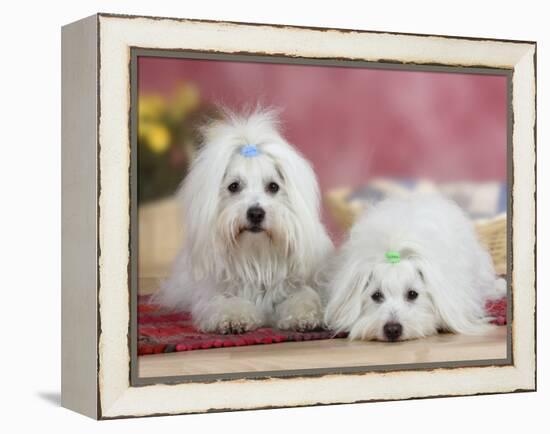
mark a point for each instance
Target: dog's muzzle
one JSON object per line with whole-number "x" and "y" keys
{"x": 393, "y": 331}
{"x": 255, "y": 215}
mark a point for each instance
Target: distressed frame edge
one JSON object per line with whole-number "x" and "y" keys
{"x": 80, "y": 180}
{"x": 315, "y": 28}
{"x": 530, "y": 384}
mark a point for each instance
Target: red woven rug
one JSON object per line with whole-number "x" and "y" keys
{"x": 161, "y": 331}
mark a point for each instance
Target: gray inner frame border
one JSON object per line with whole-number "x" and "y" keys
{"x": 136, "y": 52}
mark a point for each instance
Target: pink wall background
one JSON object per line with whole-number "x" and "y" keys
{"x": 354, "y": 124}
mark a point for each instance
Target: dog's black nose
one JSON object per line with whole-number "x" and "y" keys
{"x": 255, "y": 215}
{"x": 393, "y": 331}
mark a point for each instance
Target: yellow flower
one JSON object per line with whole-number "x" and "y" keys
{"x": 151, "y": 106}
{"x": 186, "y": 99}
{"x": 158, "y": 138}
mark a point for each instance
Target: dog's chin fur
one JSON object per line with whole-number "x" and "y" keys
{"x": 441, "y": 260}
{"x": 234, "y": 276}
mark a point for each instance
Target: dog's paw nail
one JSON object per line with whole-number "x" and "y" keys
{"x": 305, "y": 326}
{"x": 237, "y": 326}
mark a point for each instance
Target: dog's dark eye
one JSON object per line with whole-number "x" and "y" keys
{"x": 234, "y": 187}
{"x": 412, "y": 295}
{"x": 377, "y": 296}
{"x": 273, "y": 187}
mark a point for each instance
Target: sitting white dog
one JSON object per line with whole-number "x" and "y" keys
{"x": 253, "y": 236}
{"x": 410, "y": 268}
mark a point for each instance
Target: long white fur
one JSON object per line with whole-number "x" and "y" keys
{"x": 441, "y": 259}
{"x": 236, "y": 281}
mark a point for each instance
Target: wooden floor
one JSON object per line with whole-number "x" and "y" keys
{"x": 325, "y": 354}
{"x": 332, "y": 353}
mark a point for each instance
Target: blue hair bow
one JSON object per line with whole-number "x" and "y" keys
{"x": 249, "y": 151}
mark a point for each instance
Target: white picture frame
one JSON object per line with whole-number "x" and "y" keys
{"x": 96, "y": 214}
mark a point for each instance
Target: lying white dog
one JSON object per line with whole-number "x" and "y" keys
{"x": 410, "y": 268}
{"x": 253, "y": 236}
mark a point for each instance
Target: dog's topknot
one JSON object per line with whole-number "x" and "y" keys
{"x": 244, "y": 126}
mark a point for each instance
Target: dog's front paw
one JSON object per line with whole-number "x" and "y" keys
{"x": 236, "y": 324}
{"x": 233, "y": 316}
{"x": 302, "y": 311}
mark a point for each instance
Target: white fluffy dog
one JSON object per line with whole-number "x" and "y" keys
{"x": 410, "y": 268}
{"x": 253, "y": 236}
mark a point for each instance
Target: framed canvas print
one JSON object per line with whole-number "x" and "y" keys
{"x": 263, "y": 216}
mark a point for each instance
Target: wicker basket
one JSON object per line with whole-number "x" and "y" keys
{"x": 160, "y": 236}
{"x": 491, "y": 233}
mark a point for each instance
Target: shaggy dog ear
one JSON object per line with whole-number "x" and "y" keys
{"x": 309, "y": 241}
{"x": 199, "y": 196}
{"x": 457, "y": 310}
{"x": 300, "y": 177}
{"x": 345, "y": 302}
